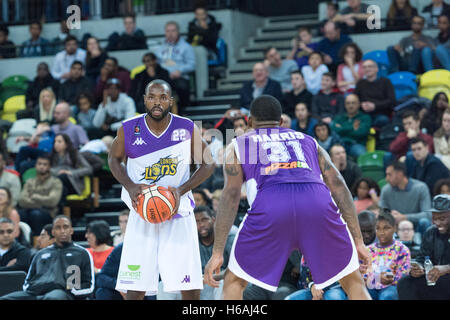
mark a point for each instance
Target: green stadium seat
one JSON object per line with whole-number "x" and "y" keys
{"x": 30, "y": 173}
{"x": 372, "y": 160}
{"x": 16, "y": 81}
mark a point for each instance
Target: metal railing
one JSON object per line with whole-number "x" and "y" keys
{"x": 19, "y": 12}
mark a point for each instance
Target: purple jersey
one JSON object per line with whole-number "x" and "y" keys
{"x": 271, "y": 156}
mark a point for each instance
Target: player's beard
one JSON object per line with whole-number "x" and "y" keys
{"x": 164, "y": 113}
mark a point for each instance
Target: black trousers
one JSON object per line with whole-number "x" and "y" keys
{"x": 57, "y": 294}
{"x": 410, "y": 288}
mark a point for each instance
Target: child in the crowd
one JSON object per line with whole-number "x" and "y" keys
{"x": 303, "y": 121}
{"x": 366, "y": 193}
{"x": 324, "y": 136}
{"x": 313, "y": 72}
{"x": 302, "y": 47}
{"x": 391, "y": 260}
{"x": 328, "y": 102}
{"x": 87, "y": 113}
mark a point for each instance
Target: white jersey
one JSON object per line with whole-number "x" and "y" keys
{"x": 162, "y": 160}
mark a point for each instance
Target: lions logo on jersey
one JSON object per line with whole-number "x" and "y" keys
{"x": 165, "y": 166}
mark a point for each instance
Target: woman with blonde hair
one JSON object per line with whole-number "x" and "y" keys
{"x": 47, "y": 103}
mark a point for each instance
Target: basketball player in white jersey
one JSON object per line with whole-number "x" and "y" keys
{"x": 158, "y": 148}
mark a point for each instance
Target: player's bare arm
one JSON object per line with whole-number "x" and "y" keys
{"x": 228, "y": 206}
{"x": 115, "y": 158}
{"x": 200, "y": 155}
{"x": 343, "y": 198}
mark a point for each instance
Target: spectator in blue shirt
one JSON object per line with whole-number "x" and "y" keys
{"x": 331, "y": 45}
{"x": 178, "y": 58}
{"x": 36, "y": 46}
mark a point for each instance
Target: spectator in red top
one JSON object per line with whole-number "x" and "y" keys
{"x": 99, "y": 238}
{"x": 411, "y": 124}
{"x": 111, "y": 69}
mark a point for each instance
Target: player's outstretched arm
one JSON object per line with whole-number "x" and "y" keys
{"x": 228, "y": 206}
{"x": 344, "y": 201}
{"x": 115, "y": 157}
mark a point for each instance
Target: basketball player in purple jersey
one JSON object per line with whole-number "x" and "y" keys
{"x": 298, "y": 200}
{"x": 157, "y": 148}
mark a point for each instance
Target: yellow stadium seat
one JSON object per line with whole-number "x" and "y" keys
{"x": 86, "y": 192}
{"x": 72, "y": 119}
{"x": 371, "y": 141}
{"x": 11, "y": 106}
{"x": 14, "y": 104}
{"x": 434, "y": 81}
{"x": 136, "y": 70}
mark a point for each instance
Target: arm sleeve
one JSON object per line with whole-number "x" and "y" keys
{"x": 52, "y": 199}
{"x": 189, "y": 61}
{"x": 24, "y": 199}
{"x": 100, "y": 116}
{"x": 403, "y": 264}
{"x": 85, "y": 168}
{"x": 389, "y": 98}
{"x": 56, "y": 68}
{"x": 425, "y": 205}
{"x": 87, "y": 277}
{"x": 23, "y": 261}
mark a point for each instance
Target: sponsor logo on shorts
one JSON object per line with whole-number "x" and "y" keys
{"x": 187, "y": 279}
{"x": 164, "y": 167}
{"x": 285, "y": 165}
{"x": 131, "y": 274}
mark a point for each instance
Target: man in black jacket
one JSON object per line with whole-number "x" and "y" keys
{"x": 76, "y": 84}
{"x": 204, "y": 30}
{"x": 426, "y": 166}
{"x": 132, "y": 39}
{"x": 13, "y": 256}
{"x": 62, "y": 271}
{"x": 435, "y": 245}
{"x": 43, "y": 79}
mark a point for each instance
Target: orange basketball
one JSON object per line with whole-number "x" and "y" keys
{"x": 156, "y": 204}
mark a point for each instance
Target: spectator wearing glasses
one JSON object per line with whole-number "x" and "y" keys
{"x": 13, "y": 256}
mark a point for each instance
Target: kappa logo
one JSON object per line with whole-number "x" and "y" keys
{"x": 139, "y": 142}
{"x": 187, "y": 279}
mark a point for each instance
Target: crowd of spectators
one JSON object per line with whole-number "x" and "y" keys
{"x": 327, "y": 90}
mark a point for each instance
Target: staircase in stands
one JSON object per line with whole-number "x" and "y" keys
{"x": 276, "y": 31}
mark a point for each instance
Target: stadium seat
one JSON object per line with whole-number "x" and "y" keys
{"x": 11, "y": 281}
{"x": 222, "y": 54}
{"x": 11, "y": 106}
{"x": 434, "y": 81}
{"x": 404, "y": 83}
{"x": 371, "y": 140}
{"x": 382, "y": 60}
{"x": 88, "y": 198}
{"x": 104, "y": 156}
{"x": 382, "y": 183}
{"x": 16, "y": 81}
{"x": 372, "y": 164}
{"x": 28, "y": 174}
{"x": 136, "y": 70}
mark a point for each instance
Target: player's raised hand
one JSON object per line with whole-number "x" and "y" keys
{"x": 213, "y": 268}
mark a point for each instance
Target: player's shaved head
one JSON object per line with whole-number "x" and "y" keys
{"x": 266, "y": 108}
{"x": 160, "y": 83}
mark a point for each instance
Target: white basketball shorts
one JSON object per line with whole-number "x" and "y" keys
{"x": 169, "y": 249}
